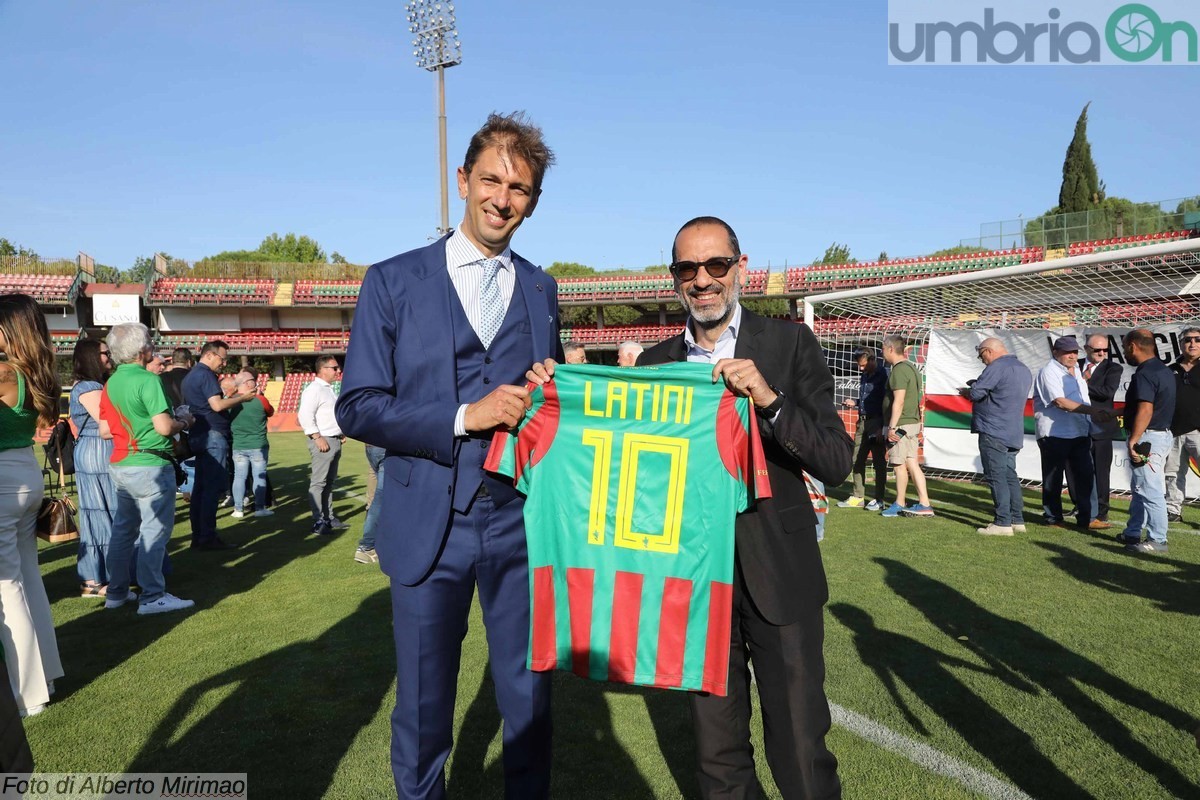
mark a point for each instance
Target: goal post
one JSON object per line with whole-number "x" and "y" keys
{"x": 1156, "y": 286}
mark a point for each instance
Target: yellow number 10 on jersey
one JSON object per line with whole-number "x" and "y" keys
{"x": 632, "y": 446}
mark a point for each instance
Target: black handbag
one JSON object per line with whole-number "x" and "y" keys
{"x": 56, "y": 517}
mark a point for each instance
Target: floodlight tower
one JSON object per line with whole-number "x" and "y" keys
{"x": 436, "y": 47}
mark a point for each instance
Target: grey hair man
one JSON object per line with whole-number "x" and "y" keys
{"x": 136, "y": 410}
{"x": 998, "y": 402}
{"x": 627, "y": 354}
{"x": 574, "y": 353}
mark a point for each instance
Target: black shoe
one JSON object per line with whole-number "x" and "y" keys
{"x": 323, "y": 529}
{"x": 1123, "y": 539}
{"x": 1178, "y": 517}
{"x": 215, "y": 543}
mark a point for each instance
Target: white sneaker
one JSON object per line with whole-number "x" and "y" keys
{"x": 992, "y": 529}
{"x": 337, "y": 524}
{"x": 851, "y": 502}
{"x": 129, "y": 598}
{"x": 237, "y": 514}
{"x": 34, "y": 711}
{"x": 167, "y": 602}
{"x": 264, "y": 512}
{"x": 1020, "y": 528}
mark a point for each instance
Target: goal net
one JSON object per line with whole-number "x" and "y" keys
{"x": 1027, "y": 306}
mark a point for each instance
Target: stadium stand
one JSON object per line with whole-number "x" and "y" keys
{"x": 64, "y": 343}
{"x": 211, "y": 291}
{"x": 261, "y": 341}
{"x": 46, "y": 289}
{"x": 326, "y": 293}
{"x": 289, "y": 401}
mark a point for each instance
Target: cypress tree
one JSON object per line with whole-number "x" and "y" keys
{"x": 1081, "y": 187}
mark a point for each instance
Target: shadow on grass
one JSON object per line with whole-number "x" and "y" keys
{"x": 897, "y": 659}
{"x": 587, "y": 753}
{"x": 293, "y": 713}
{"x": 1007, "y": 645}
{"x": 1177, "y": 591}
{"x": 101, "y": 640}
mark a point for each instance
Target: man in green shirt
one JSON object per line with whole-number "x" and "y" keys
{"x": 135, "y": 408}
{"x": 248, "y": 423}
{"x": 902, "y": 416}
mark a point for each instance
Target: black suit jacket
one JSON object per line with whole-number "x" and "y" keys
{"x": 1102, "y": 388}
{"x": 776, "y": 540}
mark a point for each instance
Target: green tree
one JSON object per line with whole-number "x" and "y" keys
{"x": 957, "y": 250}
{"x": 107, "y": 274}
{"x": 1081, "y": 186}
{"x": 883, "y": 256}
{"x": 836, "y": 254}
{"x": 292, "y": 249}
{"x": 569, "y": 269}
{"x": 289, "y": 249}
{"x": 337, "y": 258}
{"x": 7, "y": 248}
{"x": 143, "y": 268}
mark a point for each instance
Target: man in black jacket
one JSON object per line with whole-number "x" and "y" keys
{"x": 1185, "y": 425}
{"x": 1103, "y": 376}
{"x": 779, "y": 586}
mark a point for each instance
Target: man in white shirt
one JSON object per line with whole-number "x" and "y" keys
{"x": 1062, "y": 411}
{"x": 324, "y": 443}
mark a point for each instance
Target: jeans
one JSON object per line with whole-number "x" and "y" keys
{"x": 1148, "y": 508}
{"x": 1184, "y": 445}
{"x": 1000, "y": 472}
{"x": 145, "y": 515}
{"x": 324, "y": 473}
{"x": 253, "y": 462}
{"x": 1057, "y": 452}
{"x": 868, "y": 443}
{"x": 375, "y": 456}
{"x": 212, "y": 480}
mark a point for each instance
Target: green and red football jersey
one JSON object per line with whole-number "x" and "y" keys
{"x": 633, "y": 479}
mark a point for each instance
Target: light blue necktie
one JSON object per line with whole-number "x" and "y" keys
{"x": 491, "y": 306}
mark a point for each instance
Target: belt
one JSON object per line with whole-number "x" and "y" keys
{"x": 1159, "y": 430}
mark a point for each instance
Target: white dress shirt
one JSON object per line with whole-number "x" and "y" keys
{"x": 724, "y": 348}
{"x": 465, "y": 265}
{"x": 316, "y": 410}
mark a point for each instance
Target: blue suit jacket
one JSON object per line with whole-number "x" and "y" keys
{"x": 400, "y": 392}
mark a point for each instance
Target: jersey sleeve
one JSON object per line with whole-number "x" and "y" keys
{"x": 515, "y": 452}
{"x": 741, "y": 450}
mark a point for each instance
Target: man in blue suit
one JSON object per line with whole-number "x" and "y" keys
{"x": 441, "y": 341}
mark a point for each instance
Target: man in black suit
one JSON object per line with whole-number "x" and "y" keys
{"x": 779, "y": 586}
{"x": 1103, "y": 376}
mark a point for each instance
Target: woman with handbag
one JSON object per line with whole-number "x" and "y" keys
{"x": 93, "y": 449}
{"x": 29, "y": 391}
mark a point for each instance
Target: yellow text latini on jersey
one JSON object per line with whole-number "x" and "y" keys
{"x": 656, "y": 402}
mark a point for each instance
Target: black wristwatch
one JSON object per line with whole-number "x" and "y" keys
{"x": 773, "y": 409}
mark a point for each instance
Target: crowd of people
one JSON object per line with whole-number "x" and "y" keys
{"x": 1076, "y": 424}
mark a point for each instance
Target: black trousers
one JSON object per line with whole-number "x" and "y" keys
{"x": 1102, "y": 456}
{"x": 789, "y": 669}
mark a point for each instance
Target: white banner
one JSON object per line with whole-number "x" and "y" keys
{"x": 952, "y": 361}
{"x": 113, "y": 309}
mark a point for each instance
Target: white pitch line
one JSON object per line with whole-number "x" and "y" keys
{"x": 925, "y": 756}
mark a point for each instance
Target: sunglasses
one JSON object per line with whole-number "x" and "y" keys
{"x": 1190, "y": 339}
{"x": 716, "y": 267}
{"x": 1098, "y": 349}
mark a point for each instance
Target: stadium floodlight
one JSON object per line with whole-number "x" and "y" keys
{"x": 436, "y": 47}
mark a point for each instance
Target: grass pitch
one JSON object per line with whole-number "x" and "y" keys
{"x": 1052, "y": 661}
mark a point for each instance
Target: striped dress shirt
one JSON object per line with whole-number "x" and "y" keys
{"x": 465, "y": 264}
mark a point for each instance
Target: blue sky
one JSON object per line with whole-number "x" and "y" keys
{"x": 134, "y": 127}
